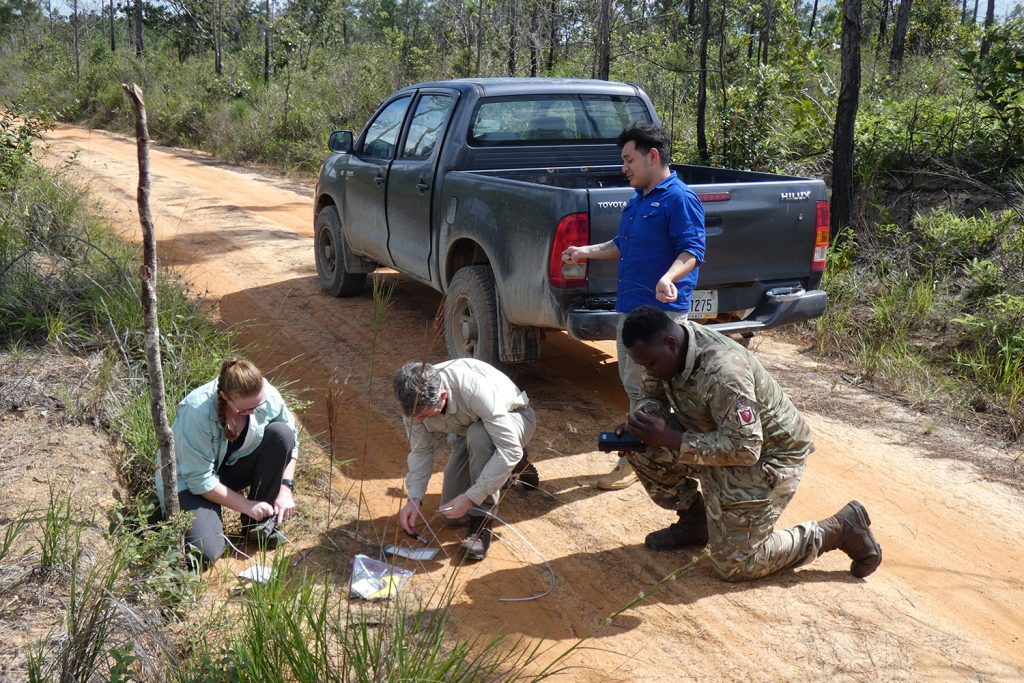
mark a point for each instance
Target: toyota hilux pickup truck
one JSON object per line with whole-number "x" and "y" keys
{"x": 476, "y": 186}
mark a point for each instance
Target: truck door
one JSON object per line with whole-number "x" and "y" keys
{"x": 411, "y": 184}
{"x": 366, "y": 181}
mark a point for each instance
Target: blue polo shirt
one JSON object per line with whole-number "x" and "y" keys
{"x": 655, "y": 228}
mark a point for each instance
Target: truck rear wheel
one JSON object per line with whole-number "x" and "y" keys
{"x": 471, "y": 315}
{"x": 330, "y": 249}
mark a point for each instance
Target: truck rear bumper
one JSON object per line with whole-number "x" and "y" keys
{"x": 777, "y": 308}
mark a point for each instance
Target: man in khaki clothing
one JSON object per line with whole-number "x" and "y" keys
{"x": 488, "y": 421}
{"x": 711, "y": 412}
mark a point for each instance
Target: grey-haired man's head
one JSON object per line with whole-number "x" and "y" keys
{"x": 417, "y": 386}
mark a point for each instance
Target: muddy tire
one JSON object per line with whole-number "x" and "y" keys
{"x": 471, "y": 315}
{"x": 329, "y": 246}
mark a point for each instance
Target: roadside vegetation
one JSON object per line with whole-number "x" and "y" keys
{"x": 926, "y": 285}
{"x": 925, "y": 281}
{"x": 123, "y": 602}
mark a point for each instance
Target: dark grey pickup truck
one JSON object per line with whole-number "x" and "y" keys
{"x": 475, "y": 187}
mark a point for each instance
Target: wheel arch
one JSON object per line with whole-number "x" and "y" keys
{"x": 465, "y": 252}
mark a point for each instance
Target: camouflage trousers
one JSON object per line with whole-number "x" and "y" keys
{"x": 743, "y": 505}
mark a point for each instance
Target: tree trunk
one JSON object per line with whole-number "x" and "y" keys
{"x": 552, "y": 36}
{"x": 266, "y": 41}
{"x": 604, "y": 39}
{"x": 766, "y": 30}
{"x": 479, "y": 37}
{"x": 883, "y": 25}
{"x": 114, "y": 45}
{"x": 75, "y": 39}
{"x": 513, "y": 19}
{"x": 151, "y": 338}
{"x": 975, "y": 19}
{"x": 218, "y": 65}
{"x": 534, "y": 47}
{"x": 702, "y": 84}
{"x": 963, "y": 13}
{"x": 899, "y": 37}
{"x": 990, "y": 18}
{"x": 139, "y": 45}
{"x": 814, "y": 15}
{"x": 846, "y": 117}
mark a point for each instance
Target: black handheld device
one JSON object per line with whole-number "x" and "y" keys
{"x": 609, "y": 442}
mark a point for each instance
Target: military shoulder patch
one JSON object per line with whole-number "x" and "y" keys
{"x": 745, "y": 411}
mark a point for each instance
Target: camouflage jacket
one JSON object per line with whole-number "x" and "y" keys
{"x": 733, "y": 412}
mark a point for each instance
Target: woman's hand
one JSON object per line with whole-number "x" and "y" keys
{"x": 408, "y": 516}
{"x": 284, "y": 506}
{"x": 259, "y": 510}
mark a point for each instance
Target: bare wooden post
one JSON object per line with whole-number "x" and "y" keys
{"x": 151, "y": 340}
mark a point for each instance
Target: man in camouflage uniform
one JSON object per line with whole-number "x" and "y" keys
{"x": 733, "y": 428}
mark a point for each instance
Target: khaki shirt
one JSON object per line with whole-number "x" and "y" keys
{"x": 476, "y": 392}
{"x": 733, "y": 411}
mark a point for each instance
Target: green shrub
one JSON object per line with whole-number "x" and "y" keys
{"x": 946, "y": 240}
{"x": 750, "y": 138}
{"x": 998, "y": 80}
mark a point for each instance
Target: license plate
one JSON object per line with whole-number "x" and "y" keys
{"x": 703, "y": 304}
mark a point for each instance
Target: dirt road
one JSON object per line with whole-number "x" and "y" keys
{"x": 945, "y": 604}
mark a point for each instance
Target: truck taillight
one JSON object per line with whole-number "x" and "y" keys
{"x": 572, "y": 231}
{"x": 820, "y": 236}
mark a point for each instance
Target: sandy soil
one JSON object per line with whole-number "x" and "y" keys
{"x": 945, "y": 604}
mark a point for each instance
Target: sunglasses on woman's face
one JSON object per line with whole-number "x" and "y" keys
{"x": 244, "y": 410}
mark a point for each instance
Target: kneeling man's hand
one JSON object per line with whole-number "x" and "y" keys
{"x": 408, "y": 516}
{"x": 456, "y": 507}
{"x": 653, "y": 430}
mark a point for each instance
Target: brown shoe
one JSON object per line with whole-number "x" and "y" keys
{"x": 849, "y": 530}
{"x": 689, "y": 531}
{"x": 478, "y": 539}
{"x": 621, "y": 477}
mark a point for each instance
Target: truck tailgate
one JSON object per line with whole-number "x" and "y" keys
{"x": 756, "y": 231}
{"x": 606, "y": 204}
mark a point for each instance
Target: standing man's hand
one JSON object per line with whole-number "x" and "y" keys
{"x": 284, "y": 506}
{"x": 409, "y": 514}
{"x": 666, "y": 291}
{"x": 574, "y": 255}
{"x": 456, "y": 507}
{"x": 653, "y": 431}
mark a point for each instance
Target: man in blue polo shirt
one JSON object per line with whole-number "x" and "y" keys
{"x": 660, "y": 246}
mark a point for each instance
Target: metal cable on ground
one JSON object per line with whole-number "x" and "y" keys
{"x": 554, "y": 579}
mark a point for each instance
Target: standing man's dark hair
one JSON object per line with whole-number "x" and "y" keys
{"x": 647, "y": 136}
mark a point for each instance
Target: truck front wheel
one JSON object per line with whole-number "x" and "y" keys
{"x": 471, "y": 315}
{"x": 329, "y": 245}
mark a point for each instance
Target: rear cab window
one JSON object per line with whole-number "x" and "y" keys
{"x": 562, "y": 119}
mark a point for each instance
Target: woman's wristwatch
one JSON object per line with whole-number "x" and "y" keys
{"x": 290, "y": 483}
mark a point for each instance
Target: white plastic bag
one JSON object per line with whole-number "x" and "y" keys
{"x": 374, "y": 580}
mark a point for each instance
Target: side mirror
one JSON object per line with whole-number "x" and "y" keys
{"x": 341, "y": 141}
